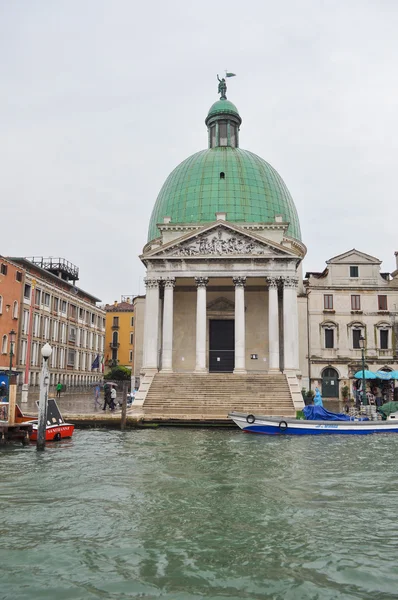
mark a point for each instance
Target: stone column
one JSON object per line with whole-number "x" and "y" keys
{"x": 240, "y": 338}
{"x": 273, "y": 325}
{"x": 290, "y": 324}
{"x": 201, "y": 324}
{"x": 167, "y": 350}
{"x": 151, "y": 325}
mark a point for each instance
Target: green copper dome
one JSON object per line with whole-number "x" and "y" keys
{"x": 221, "y": 107}
{"x": 224, "y": 178}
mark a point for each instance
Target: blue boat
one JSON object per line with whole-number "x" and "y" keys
{"x": 327, "y": 423}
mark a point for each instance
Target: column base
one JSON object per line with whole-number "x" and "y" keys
{"x": 273, "y": 371}
{"x": 149, "y": 371}
{"x": 166, "y": 370}
{"x": 201, "y": 370}
{"x": 239, "y": 372}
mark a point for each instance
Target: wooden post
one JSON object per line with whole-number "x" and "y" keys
{"x": 43, "y": 399}
{"x": 124, "y": 406}
{"x": 12, "y": 400}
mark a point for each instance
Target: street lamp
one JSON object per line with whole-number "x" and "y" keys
{"x": 43, "y": 399}
{"x": 12, "y": 335}
{"x": 362, "y": 347}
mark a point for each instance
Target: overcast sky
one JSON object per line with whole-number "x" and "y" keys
{"x": 101, "y": 99}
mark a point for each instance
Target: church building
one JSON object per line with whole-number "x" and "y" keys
{"x": 223, "y": 272}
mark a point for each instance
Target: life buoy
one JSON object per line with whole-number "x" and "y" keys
{"x": 250, "y": 419}
{"x": 57, "y": 437}
{"x": 282, "y": 426}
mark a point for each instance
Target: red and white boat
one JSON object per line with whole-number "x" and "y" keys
{"x": 56, "y": 428}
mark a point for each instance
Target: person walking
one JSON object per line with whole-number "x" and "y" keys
{"x": 59, "y": 389}
{"x": 107, "y": 397}
{"x": 113, "y": 398}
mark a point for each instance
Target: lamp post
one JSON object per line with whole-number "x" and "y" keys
{"x": 12, "y": 335}
{"x": 43, "y": 400}
{"x": 362, "y": 347}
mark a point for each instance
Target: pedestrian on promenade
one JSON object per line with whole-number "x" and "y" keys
{"x": 107, "y": 397}
{"x": 59, "y": 389}
{"x": 97, "y": 396}
{"x": 113, "y": 398}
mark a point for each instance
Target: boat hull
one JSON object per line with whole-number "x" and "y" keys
{"x": 288, "y": 426}
{"x": 54, "y": 433}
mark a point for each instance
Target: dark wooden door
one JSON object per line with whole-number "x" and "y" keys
{"x": 330, "y": 383}
{"x": 222, "y": 345}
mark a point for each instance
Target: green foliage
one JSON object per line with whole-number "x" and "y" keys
{"x": 118, "y": 374}
{"x": 345, "y": 392}
{"x": 310, "y": 394}
{"x": 303, "y": 393}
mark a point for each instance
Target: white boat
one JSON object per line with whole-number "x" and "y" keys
{"x": 250, "y": 423}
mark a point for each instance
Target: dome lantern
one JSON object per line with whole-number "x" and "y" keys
{"x": 223, "y": 120}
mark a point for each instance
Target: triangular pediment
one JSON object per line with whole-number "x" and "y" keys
{"x": 220, "y": 239}
{"x": 221, "y": 304}
{"x": 354, "y": 257}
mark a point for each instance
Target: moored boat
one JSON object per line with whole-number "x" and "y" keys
{"x": 251, "y": 423}
{"x": 56, "y": 428}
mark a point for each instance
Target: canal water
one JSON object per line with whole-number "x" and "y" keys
{"x": 191, "y": 514}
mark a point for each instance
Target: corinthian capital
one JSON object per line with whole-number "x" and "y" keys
{"x": 273, "y": 282}
{"x": 169, "y": 282}
{"x": 239, "y": 281}
{"x": 290, "y": 282}
{"x": 201, "y": 281}
{"x": 151, "y": 283}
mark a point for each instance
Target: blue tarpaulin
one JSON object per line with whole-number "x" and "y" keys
{"x": 318, "y": 413}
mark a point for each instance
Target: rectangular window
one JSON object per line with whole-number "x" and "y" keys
{"x": 115, "y": 321}
{"x": 46, "y": 299}
{"x": 55, "y": 304}
{"x": 132, "y": 322}
{"x": 382, "y": 302}
{"x": 329, "y": 338}
{"x": 81, "y": 314}
{"x": 63, "y": 306}
{"x": 383, "y": 339}
{"x": 355, "y": 302}
{"x": 131, "y": 356}
{"x": 72, "y": 311}
{"x": 222, "y": 132}
{"x": 92, "y": 318}
{"x": 356, "y": 334}
{"x": 18, "y": 276}
{"x": 3, "y": 269}
{"x": 131, "y": 338}
{"x": 72, "y": 333}
{"x": 71, "y": 358}
{"x": 26, "y": 291}
{"x": 38, "y": 297}
{"x": 328, "y": 301}
{"x": 354, "y": 272}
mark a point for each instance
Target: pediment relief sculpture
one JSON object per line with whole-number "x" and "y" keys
{"x": 222, "y": 242}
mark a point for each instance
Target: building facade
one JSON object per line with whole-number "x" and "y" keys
{"x": 54, "y": 310}
{"x": 349, "y": 299}
{"x": 11, "y": 286}
{"x": 119, "y": 333}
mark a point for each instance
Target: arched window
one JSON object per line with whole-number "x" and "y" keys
{"x": 1, "y": 305}
{"x": 115, "y": 338}
{"x": 15, "y": 310}
{"x": 356, "y": 330}
{"x": 4, "y": 345}
{"x": 330, "y": 383}
{"x": 384, "y": 337}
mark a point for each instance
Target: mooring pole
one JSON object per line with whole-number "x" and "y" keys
{"x": 124, "y": 407}
{"x": 43, "y": 400}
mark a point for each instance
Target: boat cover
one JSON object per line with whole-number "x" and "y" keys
{"x": 318, "y": 413}
{"x": 388, "y": 408}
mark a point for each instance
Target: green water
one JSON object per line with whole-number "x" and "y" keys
{"x": 189, "y": 514}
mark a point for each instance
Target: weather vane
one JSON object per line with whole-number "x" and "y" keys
{"x": 222, "y": 86}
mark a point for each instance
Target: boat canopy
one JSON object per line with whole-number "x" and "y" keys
{"x": 318, "y": 413}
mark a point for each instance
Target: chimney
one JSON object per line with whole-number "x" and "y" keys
{"x": 396, "y": 260}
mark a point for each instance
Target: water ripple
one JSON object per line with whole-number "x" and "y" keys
{"x": 182, "y": 514}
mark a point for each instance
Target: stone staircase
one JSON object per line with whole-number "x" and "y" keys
{"x": 210, "y": 397}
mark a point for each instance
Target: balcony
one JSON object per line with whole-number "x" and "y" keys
{"x": 114, "y": 345}
{"x": 115, "y": 326}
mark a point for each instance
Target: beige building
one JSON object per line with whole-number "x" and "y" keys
{"x": 349, "y": 299}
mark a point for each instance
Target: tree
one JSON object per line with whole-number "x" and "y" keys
{"x": 118, "y": 374}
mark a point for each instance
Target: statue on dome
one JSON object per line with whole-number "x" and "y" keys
{"x": 222, "y": 88}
